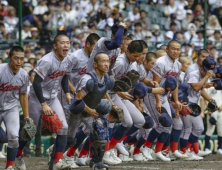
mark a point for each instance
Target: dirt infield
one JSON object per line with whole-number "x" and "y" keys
{"x": 210, "y": 162}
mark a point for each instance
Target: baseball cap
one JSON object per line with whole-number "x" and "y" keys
{"x": 218, "y": 84}
{"x": 76, "y": 106}
{"x": 4, "y": 2}
{"x": 184, "y": 87}
{"x": 169, "y": 34}
{"x": 209, "y": 64}
{"x": 139, "y": 91}
{"x": 115, "y": 28}
{"x": 164, "y": 119}
{"x": 219, "y": 71}
{"x": 170, "y": 84}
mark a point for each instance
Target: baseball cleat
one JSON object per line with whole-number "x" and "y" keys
{"x": 20, "y": 163}
{"x": 203, "y": 153}
{"x": 61, "y": 165}
{"x": 81, "y": 161}
{"x": 108, "y": 159}
{"x": 125, "y": 158}
{"x": 219, "y": 152}
{"x": 160, "y": 156}
{"x": 120, "y": 147}
{"x": 70, "y": 160}
{"x": 9, "y": 168}
{"x": 2, "y": 156}
{"x": 114, "y": 156}
{"x": 99, "y": 165}
{"x": 139, "y": 157}
{"x": 192, "y": 156}
{"x": 146, "y": 152}
{"x": 179, "y": 155}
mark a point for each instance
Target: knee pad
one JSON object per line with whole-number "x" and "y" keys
{"x": 13, "y": 143}
{"x": 63, "y": 131}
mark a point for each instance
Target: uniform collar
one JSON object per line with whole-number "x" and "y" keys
{"x": 11, "y": 71}
{"x": 170, "y": 60}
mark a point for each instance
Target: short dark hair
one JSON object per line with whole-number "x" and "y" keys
{"x": 96, "y": 58}
{"x": 172, "y": 42}
{"x": 129, "y": 37}
{"x": 144, "y": 44}
{"x": 201, "y": 51}
{"x": 92, "y": 38}
{"x": 142, "y": 11}
{"x": 16, "y": 49}
{"x": 150, "y": 55}
{"x": 135, "y": 46}
{"x": 138, "y": 24}
{"x": 57, "y": 38}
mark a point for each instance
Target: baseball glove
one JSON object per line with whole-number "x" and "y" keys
{"x": 28, "y": 130}
{"x": 115, "y": 115}
{"x": 133, "y": 76}
{"x": 212, "y": 106}
{"x": 196, "y": 110}
{"x": 52, "y": 123}
{"x": 185, "y": 111}
{"x": 122, "y": 85}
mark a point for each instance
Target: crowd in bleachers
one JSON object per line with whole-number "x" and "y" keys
{"x": 156, "y": 21}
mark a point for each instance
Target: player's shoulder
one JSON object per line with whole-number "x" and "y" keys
{"x": 161, "y": 60}
{"x": 48, "y": 57}
{"x": 3, "y": 65}
{"x": 22, "y": 72}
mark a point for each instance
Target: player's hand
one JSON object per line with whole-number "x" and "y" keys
{"x": 155, "y": 83}
{"x": 202, "y": 115}
{"x": 220, "y": 108}
{"x": 210, "y": 73}
{"x": 208, "y": 85}
{"x": 179, "y": 105}
{"x": 177, "y": 113}
{"x": 93, "y": 113}
{"x": 158, "y": 90}
{"x": 47, "y": 110}
{"x": 125, "y": 95}
{"x": 158, "y": 106}
{"x": 123, "y": 24}
{"x": 68, "y": 98}
{"x": 141, "y": 106}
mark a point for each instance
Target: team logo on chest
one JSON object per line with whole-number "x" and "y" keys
{"x": 170, "y": 73}
{"x": 83, "y": 71}
{"x": 57, "y": 73}
{"x": 8, "y": 87}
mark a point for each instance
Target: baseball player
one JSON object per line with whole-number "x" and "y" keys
{"x": 185, "y": 63}
{"x": 13, "y": 86}
{"x": 109, "y": 46}
{"x": 163, "y": 67}
{"x": 193, "y": 126}
{"x": 51, "y": 72}
{"x": 132, "y": 116}
{"x": 91, "y": 89}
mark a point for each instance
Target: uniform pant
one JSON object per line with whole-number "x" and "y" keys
{"x": 211, "y": 128}
{"x": 35, "y": 112}
{"x": 12, "y": 123}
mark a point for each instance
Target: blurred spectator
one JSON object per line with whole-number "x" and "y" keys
{"x": 3, "y": 31}
{"x": 138, "y": 33}
{"x": 171, "y": 19}
{"x": 190, "y": 5}
{"x": 48, "y": 15}
{"x": 107, "y": 6}
{"x": 170, "y": 8}
{"x": 209, "y": 45}
{"x": 173, "y": 28}
{"x": 1, "y": 61}
{"x": 214, "y": 53}
{"x": 212, "y": 25}
{"x": 134, "y": 15}
{"x": 198, "y": 10}
{"x": 27, "y": 68}
{"x": 41, "y": 8}
{"x": 216, "y": 38}
{"x": 190, "y": 33}
{"x": 92, "y": 8}
{"x": 199, "y": 39}
{"x": 32, "y": 60}
{"x": 148, "y": 36}
{"x": 154, "y": 2}
{"x": 218, "y": 12}
{"x": 117, "y": 17}
{"x": 180, "y": 36}
{"x": 156, "y": 34}
{"x": 144, "y": 20}
{"x": 219, "y": 61}
{"x": 25, "y": 30}
{"x": 187, "y": 49}
{"x": 180, "y": 13}
{"x": 61, "y": 5}
{"x": 27, "y": 8}
{"x": 197, "y": 23}
{"x": 187, "y": 20}
{"x": 4, "y": 8}
{"x": 75, "y": 45}
{"x": 83, "y": 24}
{"x": 70, "y": 16}
{"x": 34, "y": 36}
{"x": 168, "y": 36}
{"x": 11, "y": 19}
{"x": 181, "y": 2}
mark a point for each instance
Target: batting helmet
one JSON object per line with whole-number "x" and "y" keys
{"x": 76, "y": 106}
{"x": 196, "y": 110}
{"x": 148, "y": 121}
{"x": 164, "y": 119}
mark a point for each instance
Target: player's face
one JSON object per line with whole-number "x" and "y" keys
{"x": 201, "y": 58}
{"x": 125, "y": 45}
{"x": 16, "y": 61}
{"x": 185, "y": 65}
{"x": 141, "y": 58}
{"x": 133, "y": 56}
{"x": 149, "y": 65}
{"x": 91, "y": 47}
{"x": 173, "y": 51}
{"x": 103, "y": 63}
{"x": 62, "y": 47}
{"x": 202, "y": 72}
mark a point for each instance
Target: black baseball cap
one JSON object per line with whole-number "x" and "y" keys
{"x": 209, "y": 64}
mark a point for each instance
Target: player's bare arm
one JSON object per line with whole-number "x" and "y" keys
{"x": 175, "y": 96}
{"x": 71, "y": 88}
{"x": 23, "y": 97}
{"x": 157, "y": 97}
{"x": 125, "y": 95}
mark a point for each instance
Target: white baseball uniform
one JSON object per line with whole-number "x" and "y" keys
{"x": 10, "y": 86}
